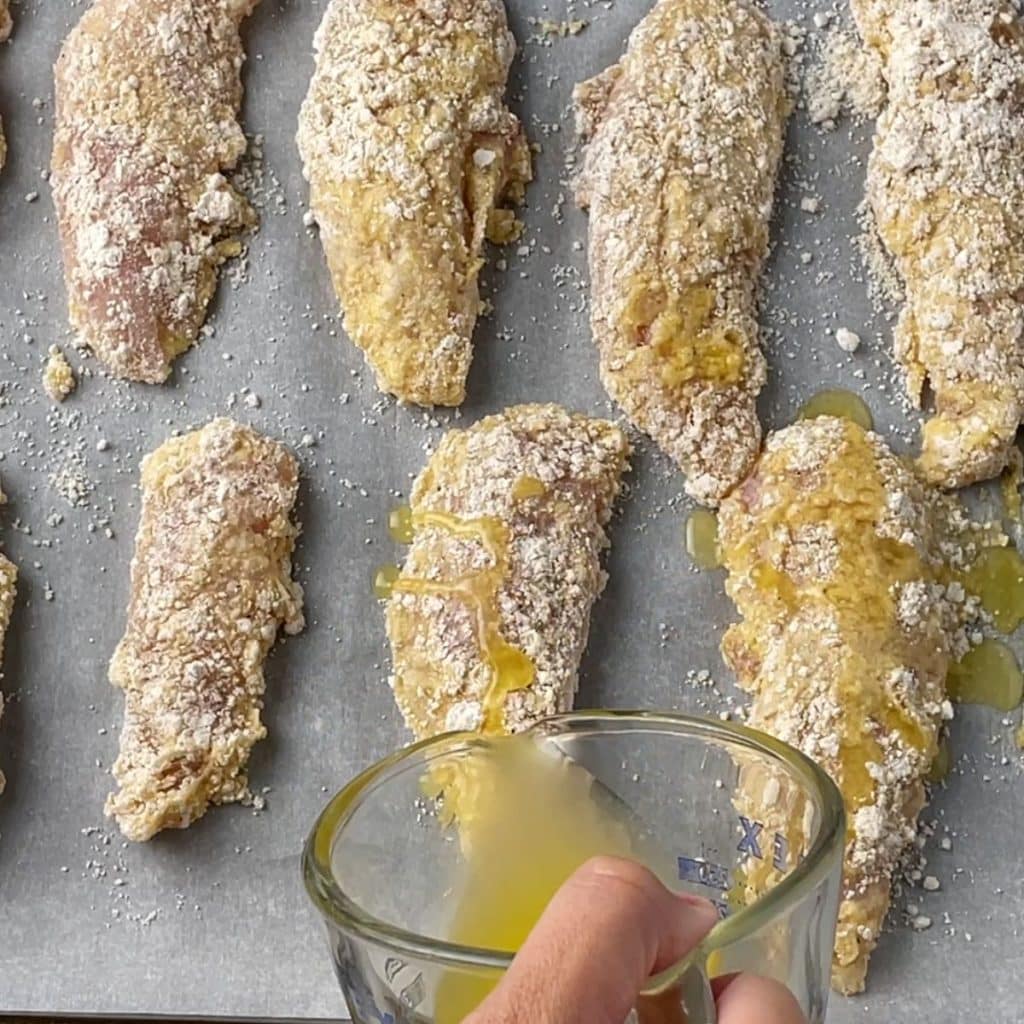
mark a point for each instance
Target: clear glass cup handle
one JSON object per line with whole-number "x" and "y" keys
{"x": 697, "y": 998}
{"x": 685, "y": 999}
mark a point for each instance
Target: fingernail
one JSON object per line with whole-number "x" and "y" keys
{"x": 699, "y": 905}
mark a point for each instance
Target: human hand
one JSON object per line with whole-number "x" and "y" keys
{"x": 604, "y": 934}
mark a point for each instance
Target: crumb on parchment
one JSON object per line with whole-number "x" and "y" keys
{"x": 58, "y": 377}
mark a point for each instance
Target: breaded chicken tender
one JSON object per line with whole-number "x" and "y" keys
{"x": 489, "y": 616}
{"x": 409, "y": 150}
{"x": 837, "y": 554}
{"x": 686, "y": 134}
{"x": 8, "y": 584}
{"x": 946, "y": 189}
{"x": 147, "y": 98}
{"x": 6, "y": 27}
{"x": 210, "y": 586}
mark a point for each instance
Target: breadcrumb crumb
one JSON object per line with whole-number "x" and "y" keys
{"x": 58, "y": 377}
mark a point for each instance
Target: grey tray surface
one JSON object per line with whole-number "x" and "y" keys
{"x": 213, "y": 921}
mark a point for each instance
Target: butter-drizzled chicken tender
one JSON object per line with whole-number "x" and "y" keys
{"x": 686, "y": 133}
{"x": 409, "y": 151}
{"x": 489, "y": 616}
{"x": 210, "y": 586}
{"x": 946, "y": 188}
{"x": 8, "y": 584}
{"x": 147, "y": 97}
{"x": 6, "y": 27}
{"x": 838, "y": 556}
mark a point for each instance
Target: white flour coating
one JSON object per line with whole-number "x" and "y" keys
{"x": 847, "y": 77}
{"x": 147, "y": 96}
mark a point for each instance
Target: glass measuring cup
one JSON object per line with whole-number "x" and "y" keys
{"x": 745, "y": 820}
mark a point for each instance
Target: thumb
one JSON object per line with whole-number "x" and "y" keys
{"x": 604, "y": 933}
{"x": 749, "y": 999}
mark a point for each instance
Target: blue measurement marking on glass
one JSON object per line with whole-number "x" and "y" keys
{"x": 749, "y": 843}
{"x": 361, "y": 999}
{"x": 703, "y": 872}
{"x": 711, "y": 875}
{"x": 751, "y": 838}
{"x": 780, "y": 852}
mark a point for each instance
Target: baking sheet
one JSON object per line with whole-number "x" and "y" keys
{"x": 213, "y": 920}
